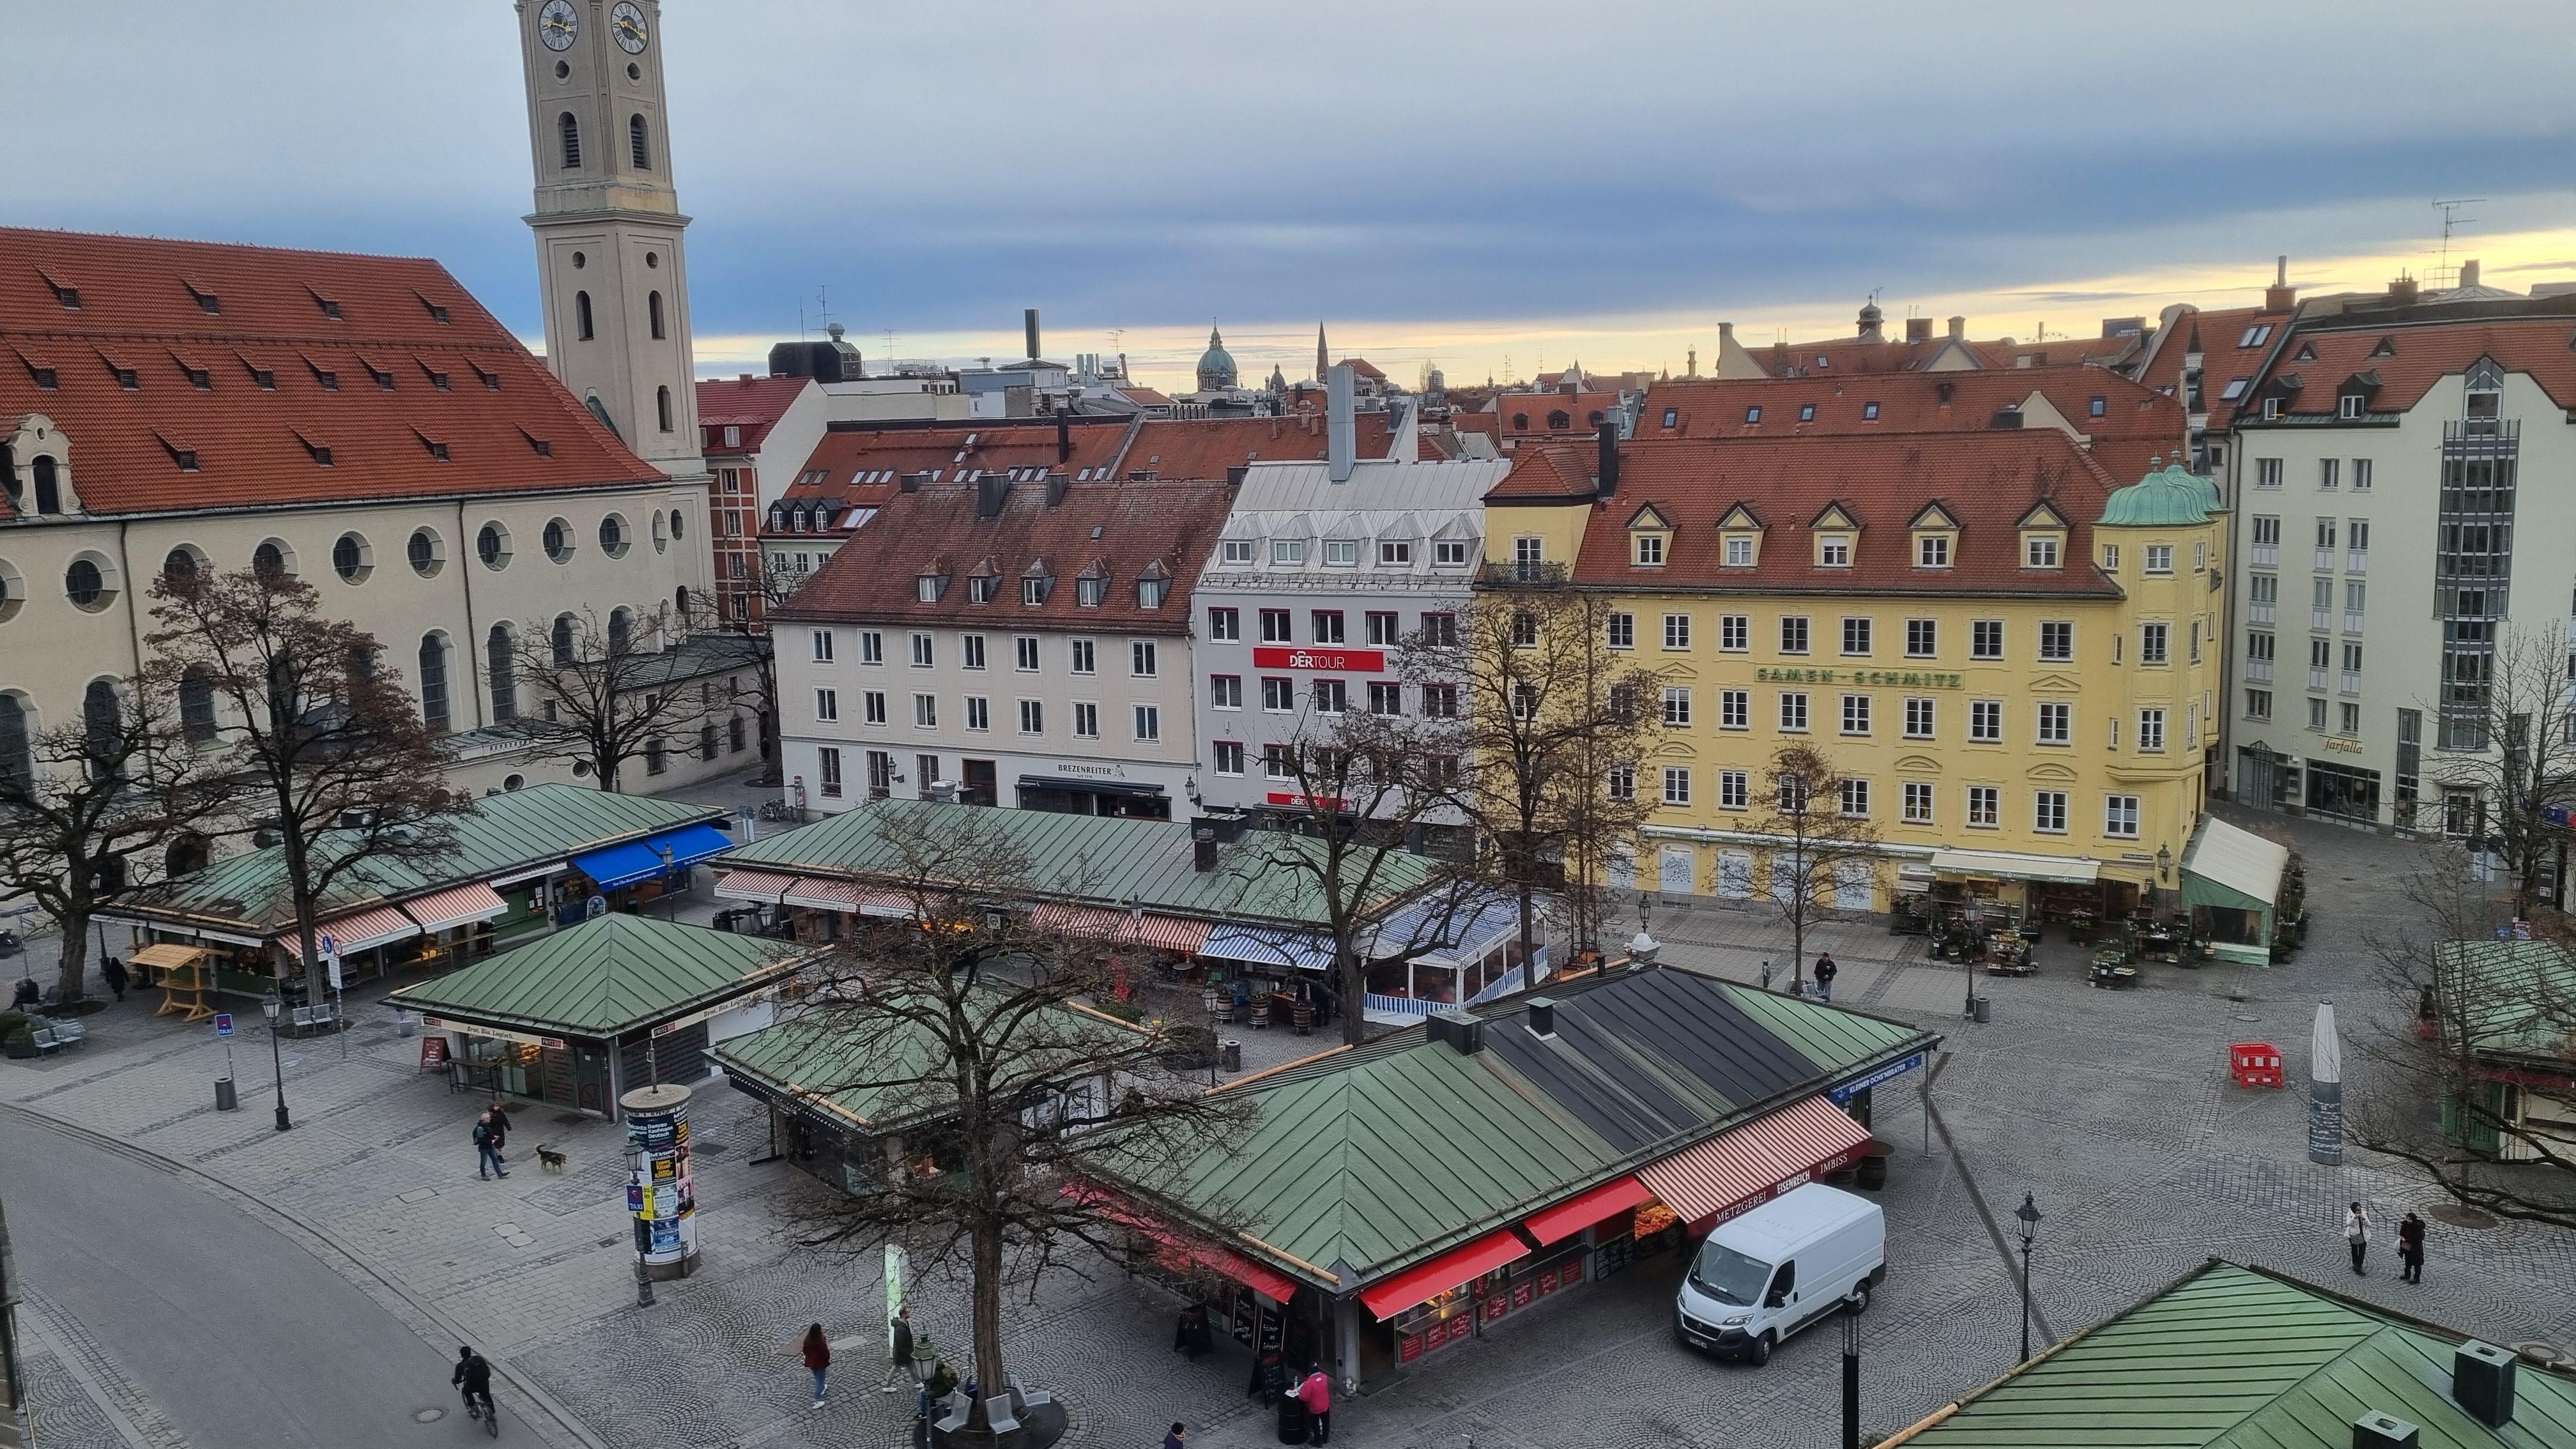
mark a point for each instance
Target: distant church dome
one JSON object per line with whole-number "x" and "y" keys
{"x": 1216, "y": 365}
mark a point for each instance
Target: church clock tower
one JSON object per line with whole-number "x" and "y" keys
{"x": 609, "y": 257}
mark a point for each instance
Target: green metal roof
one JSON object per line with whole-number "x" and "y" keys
{"x": 608, "y": 976}
{"x": 2512, "y": 998}
{"x": 2232, "y": 1358}
{"x": 2172, "y": 497}
{"x": 502, "y": 833}
{"x": 1092, "y": 859}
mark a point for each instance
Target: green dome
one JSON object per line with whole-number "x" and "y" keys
{"x": 1216, "y": 365}
{"x": 2170, "y": 497}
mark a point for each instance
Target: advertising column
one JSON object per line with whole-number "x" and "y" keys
{"x": 661, "y": 1193}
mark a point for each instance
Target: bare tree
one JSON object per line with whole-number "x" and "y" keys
{"x": 1550, "y": 716}
{"x": 2508, "y": 737}
{"x": 2480, "y": 1023}
{"x": 1368, "y": 784}
{"x": 741, "y": 633}
{"x": 320, "y": 741}
{"x": 986, "y": 1075}
{"x": 79, "y": 802}
{"x": 1817, "y": 827}
{"x": 614, "y": 690}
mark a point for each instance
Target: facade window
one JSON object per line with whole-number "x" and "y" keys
{"x": 1439, "y": 701}
{"x": 921, "y": 657}
{"x": 1855, "y": 797}
{"x": 1918, "y": 802}
{"x": 1677, "y": 707}
{"x": 2048, "y": 811}
{"x": 1149, "y": 723}
{"x": 2258, "y": 704}
{"x": 1524, "y": 629}
{"x": 2154, "y": 643}
{"x": 1524, "y": 703}
{"x": 827, "y": 765}
{"x": 1922, "y": 638}
{"x": 2348, "y": 716}
{"x": 662, "y": 408}
{"x": 2039, "y": 551}
{"x": 1986, "y": 721}
{"x": 1229, "y": 757}
{"x": 827, "y": 704}
{"x": 1024, "y": 654}
{"x": 1621, "y": 783}
{"x": 2266, "y": 539}
{"x": 433, "y": 681}
{"x": 925, "y": 711}
{"x": 1278, "y": 762}
{"x": 1279, "y": 696}
{"x": 1734, "y": 789}
{"x": 2111, "y": 558}
{"x": 1985, "y": 802}
{"x": 1328, "y": 626}
{"x": 1528, "y": 557}
{"x": 653, "y": 317}
{"x": 1677, "y": 631}
{"x": 871, "y": 647}
{"x": 2120, "y": 816}
{"x": 1331, "y": 697}
{"x": 1381, "y": 629}
{"x": 2267, "y": 472}
{"x": 1793, "y": 634}
{"x": 1986, "y": 639}
{"x": 2056, "y": 641}
{"x": 1141, "y": 661}
{"x": 1856, "y": 636}
{"x": 2361, "y": 475}
{"x": 2330, "y": 470}
{"x": 1793, "y": 712}
{"x": 1734, "y": 631}
{"x": 1225, "y": 691}
{"x": 1276, "y": 627}
{"x": 1734, "y": 709}
{"x": 1032, "y": 717}
{"x": 1225, "y": 626}
{"x": 1440, "y": 631}
{"x": 1385, "y": 697}
{"x": 1855, "y": 714}
{"x": 1676, "y": 785}
{"x": 979, "y": 713}
{"x": 1918, "y": 717}
{"x": 2151, "y": 730}
{"x": 568, "y": 130}
{"x": 1086, "y": 721}
{"x": 2159, "y": 558}
{"x": 1623, "y": 631}
{"x": 2056, "y": 724}
{"x": 822, "y": 642}
{"x": 872, "y": 706}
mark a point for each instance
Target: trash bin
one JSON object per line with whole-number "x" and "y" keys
{"x": 1230, "y": 1053}
{"x": 1984, "y": 1003}
{"x": 226, "y": 1100}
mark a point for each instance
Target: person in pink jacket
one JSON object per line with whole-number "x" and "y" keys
{"x": 1316, "y": 1393}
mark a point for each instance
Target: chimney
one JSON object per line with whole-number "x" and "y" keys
{"x": 1943, "y": 390}
{"x": 2383, "y": 1431}
{"x": 1780, "y": 359}
{"x": 1918, "y": 329}
{"x": 1542, "y": 1016}
{"x": 2469, "y": 272}
{"x": 912, "y": 481}
{"x": 1063, "y": 438}
{"x": 1235, "y": 473}
{"x": 2482, "y": 1380}
{"x": 1203, "y": 849}
{"x": 990, "y": 490}
{"x": 1605, "y": 472}
{"x": 2280, "y": 296}
{"x": 1057, "y": 482}
{"x": 1958, "y": 329}
{"x": 1725, "y": 332}
{"x": 746, "y": 377}
{"x": 2404, "y": 291}
{"x": 1029, "y": 319}
{"x": 1341, "y": 443}
{"x": 1460, "y": 1028}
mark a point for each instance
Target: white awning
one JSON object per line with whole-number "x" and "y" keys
{"x": 2005, "y": 865}
{"x": 2239, "y": 860}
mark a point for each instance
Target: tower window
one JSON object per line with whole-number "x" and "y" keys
{"x": 653, "y": 313}
{"x": 662, "y": 407}
{"x": 581, "y": 315}
{"x": 639, "y": 141}
{"x": 571, "y": 130}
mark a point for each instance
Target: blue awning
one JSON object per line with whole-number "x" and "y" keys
{"x": 1444, "y": 930}
{"x": 1302, "y": 950}
{"x": 652, "y": 856}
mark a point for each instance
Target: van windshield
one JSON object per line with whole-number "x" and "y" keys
{"x": 1727, "y": 1275}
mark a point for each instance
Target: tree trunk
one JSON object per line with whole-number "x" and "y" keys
{"x": 70, "y": 982}
{"x": 989, "y": 1379}
{"x": 1354, "y": 984}
{"x": 1529, "y": 952}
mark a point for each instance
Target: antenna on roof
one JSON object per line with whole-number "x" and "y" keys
{"x": 823, "y": 306}
{"x": 2451, "y": 221}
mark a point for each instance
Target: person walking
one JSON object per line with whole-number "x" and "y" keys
{"x": 2410, "y": 1249}
{"x": 818, "y": 1360}
{"x": 1179, "y": 1438}
{"x": 499, "y": 1116}
{"x": 112, "y": 971}
{"x": 901, "y": 1329}
{"x": 1316, "y": 1393}
{"x": 487, "y": 1159}
{"x": 1766, "y": 973}
{"x": 2356, "y": 1235}
{"x": 1826, "y": 971}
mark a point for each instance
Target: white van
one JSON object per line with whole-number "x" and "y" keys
{"x": 1778, "y": 1268}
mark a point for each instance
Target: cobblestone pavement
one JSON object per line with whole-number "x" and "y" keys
{"x": 2114, "y": 1109}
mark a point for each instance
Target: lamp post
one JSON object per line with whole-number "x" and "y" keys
{"x": 272, "y": 1006}
{"x": 2028, "y": 1215}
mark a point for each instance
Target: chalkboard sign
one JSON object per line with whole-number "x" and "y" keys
{"x": 433, "y": 1053}
{"x": 1243, "y": 1316}
{"x": 1615, "y": 1256}
{"x": 1273, "y": 1325}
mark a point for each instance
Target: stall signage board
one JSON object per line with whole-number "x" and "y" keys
{"x": 1243, "y": 1316}
{"x": 433, "y": 1053}
{"x": 1888, "y": 1073}
{"x": 223, "y": 1023}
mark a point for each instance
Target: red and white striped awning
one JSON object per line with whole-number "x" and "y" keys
{"x": 357, "y": 931}
{"x": 822, "y": 895}
{"x": 1709, "y": 1182}
{"x": 1175, "y": 934}
{"x": 763, "y": 886}
{"x": 456, "y": 906}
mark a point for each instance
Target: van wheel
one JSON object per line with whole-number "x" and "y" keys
{"x": 1860, "y": 1297}
{"x": 1758, "y": 1352}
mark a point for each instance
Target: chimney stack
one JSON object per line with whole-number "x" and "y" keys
{"x": 1606, "y": 470}
{"x": 1341, "y": 442}
{"x": 1029, "y": 318}
{"x": 1725, "y": 332}
{"x": 1958, "y": 329}
{"x": 2482, "y": 1380}
{"x": 2404, "y": 290}
{"x": 2469, "y": 272}
{"x": 1918, "y": 329}
{"x": 1462, "y": 1029}
{"x": 2384, "y": 1431}
{"x": 1780, "y": 359}
{"x": 2280, "y": 296}
{"x": 1057, "y": 483}
{"x": 1542, "y": 1016}
{"x": 1063, "y": 438}
{"x": 912, "y": 482}
{"x": 1203, "y": 849}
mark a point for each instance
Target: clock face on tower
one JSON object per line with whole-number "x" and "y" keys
{"x": 557, "y": 24}
{"x": 627, "y": 22}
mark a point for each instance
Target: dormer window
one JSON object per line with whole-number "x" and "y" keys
{"x": 69, "y": 297}
{"x": 329, "y": 308}
{"x": 2348, "y": 407}
{"x": 198, "y": 378}
{"x": 1341, "y": 553}
{"x": 2271, "y": 409}
{"x": 982, "y": 588}
{"x": 1034, "y": 589}
{"x": 325, "y": 378}
{"x": 491, "y": 380}
{"x": 1236, "y": 553}
{"x": 437, "y": 379}
{"x": 437, "y": 449}
{"x": 1150, "y": 592}
{"x": 1833, "y": 551}
{"x": 1936, "y": 536}
{"x": 260, "y": 377}
{"x": 46, "y": 379}
{"x": 319, "y": 453}
{"x": 384, "y": 379}
{"x": 1739, "y": 551}
{"x": 1090, "y": 590}
{"x": 1287, "y": 552}
{"x": 1932, "y": 551}
{"x": 1650, "y": 550}
{"x": 927, "y": 588}
{"x": 126, "y": 379}
{"x": 537, "y": 445}
{"x": 185, "y": 458}
{"x": 437, "y": 313}
{"x": 207, "y": 302}
{"x": 2039, "y": 551}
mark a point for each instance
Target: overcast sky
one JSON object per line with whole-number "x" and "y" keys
{"x": 1468, "y": 183}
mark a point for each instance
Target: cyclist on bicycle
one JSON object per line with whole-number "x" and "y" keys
{"x": 474, "y": 1375}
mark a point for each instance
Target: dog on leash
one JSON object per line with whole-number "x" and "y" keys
{"x": 549, "y": 1158}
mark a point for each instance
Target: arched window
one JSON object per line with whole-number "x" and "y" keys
{"x": 662, "y": 407}
{"x": 504, "y": 668}
{"x": 621, "y": 630}
{"x": 1558, "y": 422}
{"x": 49, "y": 486}
{"x": 197, "y": 705}
{"x": 653, "y": 314}
{"x": 563, "y": 641}
{"x": 103, "y": 720}
{"x": 268, "y": 561}
{"x": 433, "y": 681}
{"x": 17, "y": 762}
{"x": 180, "y": 565}
{"x": 680, "y": 602}
{"x": 581, "y": 315}
{"x": 571, "y": 130}
{"x": 639, "y": 142}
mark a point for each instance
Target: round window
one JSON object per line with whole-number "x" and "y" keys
{"x": 579, "y": 261}
{"x": 492, "y": 545}
{"x": 352, "y": 559}
{"x": 514, "y": 782}
{"x": 612, "y": 536}
{"x": 86, "y": 583}
{"x": 272, "y": 561}
{"x": 652, "y": 259}
{"x": 182, "y": 563}
{"x": 425, "y": 552}
{"x": 558, "y": 540}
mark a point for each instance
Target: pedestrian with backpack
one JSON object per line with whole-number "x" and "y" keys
{"x": 1826, "y": 971}
{"x": 487, "y": 1149}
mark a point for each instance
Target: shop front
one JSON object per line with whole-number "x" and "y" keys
{"x": 631, "y": 875}
{"x": 2231, "y": 885}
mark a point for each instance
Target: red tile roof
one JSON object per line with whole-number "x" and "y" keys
{"x": 2421, "y": 355}
{"x": 228, "y": 347}
{"x": 1844, "y": 356}
{"x": 753, "y": 404}
{"x": 1362, "y": 367}
{"x": 1986, "y": 481}
{"x": 1201, "y": 449}
{"x": 2225, "y": 356}
{"x": 1123, "y": 529}
{"x": 1529, "y": 414}
{"x": 2137, "y": 422}
{"x": 861, "y": 467}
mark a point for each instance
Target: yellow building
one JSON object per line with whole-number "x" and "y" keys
{"x": 2010, "y": 658}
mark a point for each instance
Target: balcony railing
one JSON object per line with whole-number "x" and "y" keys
{"x": 1526, "y": 573}
{"x": 2351, "y": 683}
{"x": 2258, "y": 671}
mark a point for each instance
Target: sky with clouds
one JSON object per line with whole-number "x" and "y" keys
{"x": 1493, "y": 186}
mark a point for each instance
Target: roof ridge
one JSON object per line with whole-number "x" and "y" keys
{"x": 175, "y": 241}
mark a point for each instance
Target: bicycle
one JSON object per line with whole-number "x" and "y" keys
{"x": 487, "y": 1412}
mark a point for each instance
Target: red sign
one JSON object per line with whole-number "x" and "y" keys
{"x": 1331, "y": 658}
{"x": 433, "y": 1053}
{"x": 1522, "y": 1293}
{"x": 1410, "y": 1349}
{"x": 1312, "y": 802}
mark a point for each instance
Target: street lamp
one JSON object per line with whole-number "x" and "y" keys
{"x": 271, "y": 1006}
{"x": 2028, "y": 1214}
